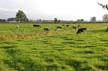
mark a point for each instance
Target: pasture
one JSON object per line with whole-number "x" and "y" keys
{"x": 32, "y": 49}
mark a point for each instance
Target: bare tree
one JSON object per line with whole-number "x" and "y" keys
{"x": 105, "y": 6}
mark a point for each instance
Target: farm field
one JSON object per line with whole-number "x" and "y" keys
{"x": 32, "y": 49}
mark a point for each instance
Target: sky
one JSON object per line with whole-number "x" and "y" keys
{"x": 50, "y": 9}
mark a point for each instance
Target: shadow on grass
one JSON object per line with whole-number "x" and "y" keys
{"x": 85, "y": 52}
{"x": 67, "y": 39}
{"x": 103, "y": 40}
{"x": 24, "y": 65}
{"x": 82, "y": 46}
{"x": 79, "y": 40}
{"x": 52, "y": 67}
{"x": 5, "y": 42}
{"x": 97, "y": 31}
{"x": 78, "y": 65}
{"x": 102, "y": 67}
{"x": 68, "y": 42}
{"x": 7, "y": 47}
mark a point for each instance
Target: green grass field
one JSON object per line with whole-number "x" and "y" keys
{"x": 32, "y": 49}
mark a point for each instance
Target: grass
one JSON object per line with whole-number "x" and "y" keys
{"x": 31, "y": 49}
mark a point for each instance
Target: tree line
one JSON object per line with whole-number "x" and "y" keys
{"x": 21, "y": 17}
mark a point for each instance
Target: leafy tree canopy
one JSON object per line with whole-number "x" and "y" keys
{"x": 21, "y": 16}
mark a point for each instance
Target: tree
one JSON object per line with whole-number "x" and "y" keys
{"x": 105, "y": 17}
{"x": 2, "y": 20}
{"x": 80, "y": 20}
{"x": 21, "y": 16}
{"x": 55, "y": 20}
{"x": 105, "y": 6}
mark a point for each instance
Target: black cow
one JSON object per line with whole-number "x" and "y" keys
{"x": 107, "y": 30}
{"x": 46, "y": 29}
{"x": 74, "y": 27}
{"x": 81, "y": 30}
{"x": 35, "y": 25}
{"x": 67, "y": 25}
{"x": 58, "y": 27}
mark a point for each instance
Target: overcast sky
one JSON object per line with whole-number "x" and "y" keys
{"x": 49, "y": 9}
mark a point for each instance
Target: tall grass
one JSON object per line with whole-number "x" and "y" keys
{"x": 31, "y": 49}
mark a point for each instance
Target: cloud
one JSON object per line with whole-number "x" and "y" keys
{"x": 6, "y": 9}
{"x": 48, "y": 9}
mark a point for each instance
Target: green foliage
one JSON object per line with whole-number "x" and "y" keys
{"x": 80, "y": 20}
{"x": 21, "y": 17}
{"x": 2, "y": 20}
{"x": 56, "y": 20}
{"x": 105, "y": 17}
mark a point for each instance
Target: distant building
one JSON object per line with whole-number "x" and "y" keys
{"x": 93, "y": 19}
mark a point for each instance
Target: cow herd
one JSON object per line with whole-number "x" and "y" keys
{"x": 77, "y": 28}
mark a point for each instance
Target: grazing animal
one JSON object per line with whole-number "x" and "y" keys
{"x": 58, "y": 27}
{"x": 74, "y": 27}
{"x": 106, "y": 29}
{"x": 67, "y": 25}
{"x": 35, "y": 25}
{"x": 80, "y": 30}
{"x": 46, "y": 29}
